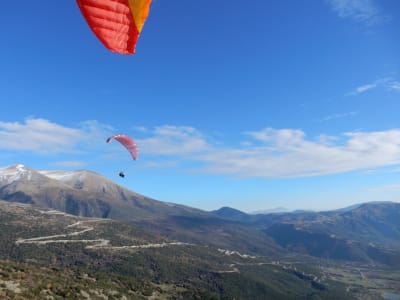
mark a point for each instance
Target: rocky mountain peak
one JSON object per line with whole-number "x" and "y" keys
{"x": 14, "y": 173}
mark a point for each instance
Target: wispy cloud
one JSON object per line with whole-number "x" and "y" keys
{"x": 365, "y": 11}
{"x": 161, "y": 164}
{"x": 364, "y": 88}
{"x": 394, "y": 85}
{"x": 387, "y": 83}
{"x": 389, "y": 188}
{"x": 338, "y": 116}
{"x": 176, "y": 140}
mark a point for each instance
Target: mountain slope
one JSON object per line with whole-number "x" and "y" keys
{"x": 134, "y": 263}
{"x": 88, "y": 194}
{"x": 81, "y": 193}
{"x": 368, "y": 232}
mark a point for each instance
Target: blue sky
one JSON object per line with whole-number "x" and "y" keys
{"x": 278, "y": 103}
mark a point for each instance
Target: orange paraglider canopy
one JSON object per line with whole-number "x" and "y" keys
{"x": 116, "y": 23}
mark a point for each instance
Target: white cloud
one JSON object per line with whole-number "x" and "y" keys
{"x": 140, "y": 128}
{"x": 286, "y": 153}
{"x": 387, "y": 83}
{"x": 43, "y": 136}
{"x": 394, "y": 85}
{"x": 161, "y": 164}
{"x": 268, "y": 153}
{"x": 280, "y": 153}
{"x": 280, "y": 137}
{"x": 70, "y": 164}
{"x": 364, "y": 11}
{"x": 175, "y": 140}
{"x": 38, "y": 135}
{"x": 364, "y": 88}
{"x": 338, "y": 116}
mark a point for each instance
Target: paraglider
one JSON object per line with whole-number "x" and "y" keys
{"x": 128, "y": 143}
{"x": 116, "y": 23}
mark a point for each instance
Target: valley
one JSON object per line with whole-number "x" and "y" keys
{"x": 177, "y": 252}
{"x": 40, "y": 238}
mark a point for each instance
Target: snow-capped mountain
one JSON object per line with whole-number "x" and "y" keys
{"x": 18, "y": 172}
{"x": 84, "y": 180}
{"x": 81, "y": 193}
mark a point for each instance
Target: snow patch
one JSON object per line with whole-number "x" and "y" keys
{"x": 20, "y": 167}
{"x": 59, "y": 175}
{"x": 14, "y": 173}
{"x": 75, "y": 178}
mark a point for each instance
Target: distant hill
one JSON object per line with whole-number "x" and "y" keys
{"x": 368, "y": 232}
{"x": 231, "y": 214}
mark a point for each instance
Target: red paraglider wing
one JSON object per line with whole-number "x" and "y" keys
{"x": 128, "y": 142}
{"x": 116, "y": 23}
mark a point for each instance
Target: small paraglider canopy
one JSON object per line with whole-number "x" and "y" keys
{"x": 128, "y": 143}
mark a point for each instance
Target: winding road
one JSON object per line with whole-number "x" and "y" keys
{"x": 83, "y": 226}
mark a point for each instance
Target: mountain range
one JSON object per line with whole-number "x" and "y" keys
{"x": 366, "y": 234}
{"x": 88, "y": 194}
{"x": 48, "y": 254}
